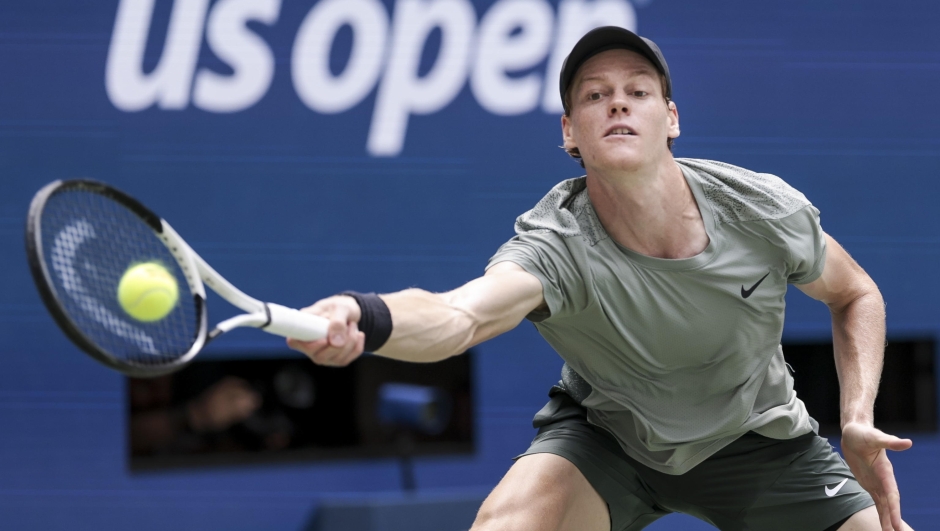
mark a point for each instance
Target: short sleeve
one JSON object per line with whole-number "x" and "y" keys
{"x": 806, "y": 243}
{"x": 545, "y": 255}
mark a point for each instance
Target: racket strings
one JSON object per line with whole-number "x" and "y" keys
{"x": 89, "y": 241}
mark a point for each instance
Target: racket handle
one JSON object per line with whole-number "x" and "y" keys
{"x": 288, "y": 322}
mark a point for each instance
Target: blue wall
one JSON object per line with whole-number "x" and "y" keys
{"x": 294, "y": 194}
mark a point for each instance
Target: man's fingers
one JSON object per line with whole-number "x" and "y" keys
{"x": 886, "y": 523}
{"x": 360, "y": 346}
{"x": 342, "y": 356}
{"x": 884, "y": 514}
{"x": 892, "y": 496}
{"x": 894, "y": 502}
{"x": 319, "y": 351}
{"x": 889, "y": 498}
{"x": 322, "y": 352}
{"x": 888, "y": 503}
{"x": 889, "y": 512}
{"x": 339, "y": 324}
{"x": 307, "y": 347}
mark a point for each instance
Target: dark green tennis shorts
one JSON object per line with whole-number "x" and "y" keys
{"x": 755, "y": 483}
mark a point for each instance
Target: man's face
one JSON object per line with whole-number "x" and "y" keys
{"x": 619, "y": 119}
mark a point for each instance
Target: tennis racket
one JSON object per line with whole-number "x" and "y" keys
{"x": 81, "y": 236}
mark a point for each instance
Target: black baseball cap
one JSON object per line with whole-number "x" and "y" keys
{"x": 609, "y": 38}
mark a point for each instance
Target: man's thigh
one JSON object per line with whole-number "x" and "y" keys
{"x": 543, "y": 491}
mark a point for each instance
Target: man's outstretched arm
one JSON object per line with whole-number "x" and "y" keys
{"x": 429, "y": 326}
{"x": 858, "y": 338}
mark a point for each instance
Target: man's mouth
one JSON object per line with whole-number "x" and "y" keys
{"x": 622, "y": 131}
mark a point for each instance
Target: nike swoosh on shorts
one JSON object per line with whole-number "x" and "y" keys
{"x": 834, "y": 491}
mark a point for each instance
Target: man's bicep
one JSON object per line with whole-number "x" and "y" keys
{"x": 523, "y": 284}
{"x": 499, "y": 300}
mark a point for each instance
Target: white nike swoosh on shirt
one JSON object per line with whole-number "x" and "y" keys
{"x": 832, "y": 492}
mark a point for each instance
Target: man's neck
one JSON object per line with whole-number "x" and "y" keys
{"x": 651, "y": 211}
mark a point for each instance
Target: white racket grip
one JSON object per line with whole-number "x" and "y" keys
{"x": 288, "y": 322}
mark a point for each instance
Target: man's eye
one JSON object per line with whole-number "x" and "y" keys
{"x": 640, "y": 93}
{"x": 595, "y": 96}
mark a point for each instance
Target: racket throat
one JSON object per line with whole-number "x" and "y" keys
{"x": 278, "y": 320}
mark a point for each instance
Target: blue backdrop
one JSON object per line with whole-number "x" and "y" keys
{"x": 308, "y": 147}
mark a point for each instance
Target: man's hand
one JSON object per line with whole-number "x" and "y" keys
{"x": 865, "y": 448}
{"x": 343, "y": 342}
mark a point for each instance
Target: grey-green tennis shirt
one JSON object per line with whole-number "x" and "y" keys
{"x": 682, "y": 356}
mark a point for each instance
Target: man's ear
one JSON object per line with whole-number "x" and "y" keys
{"x": 673, "y": 120}
{"x": 566, "y": 136}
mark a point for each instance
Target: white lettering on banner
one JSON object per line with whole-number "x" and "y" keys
{"x": 575, "y": 18}
{"x": 500, "y": 50}
{"x": 514, "y": 37}
{"x": 316, "y": 85}
{"x": 170, "y": 82}
{"x": 401, "y": 91}
{"x": 243, "y": 50}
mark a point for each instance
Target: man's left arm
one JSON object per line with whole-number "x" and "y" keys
{"x": 858, "y": 337}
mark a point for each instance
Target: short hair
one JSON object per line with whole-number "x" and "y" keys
{"x": 566, "y": 102}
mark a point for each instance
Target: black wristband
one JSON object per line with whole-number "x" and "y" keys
{"x": 376, "y": 320}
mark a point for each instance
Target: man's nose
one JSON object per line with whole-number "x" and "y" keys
{"x": 618, "y": 105}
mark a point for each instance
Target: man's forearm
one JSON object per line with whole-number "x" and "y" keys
{"x": 858, "y": 332}
{"x": 426, "y": 327}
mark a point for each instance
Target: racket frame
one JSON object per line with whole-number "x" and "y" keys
{"x": 270, "y": 317}
{"x": 50, "y": 298}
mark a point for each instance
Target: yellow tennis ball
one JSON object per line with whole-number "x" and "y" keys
{"x": 148, "y": 292}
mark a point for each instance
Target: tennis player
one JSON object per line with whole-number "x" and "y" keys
{"x": 661, "y": 283}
